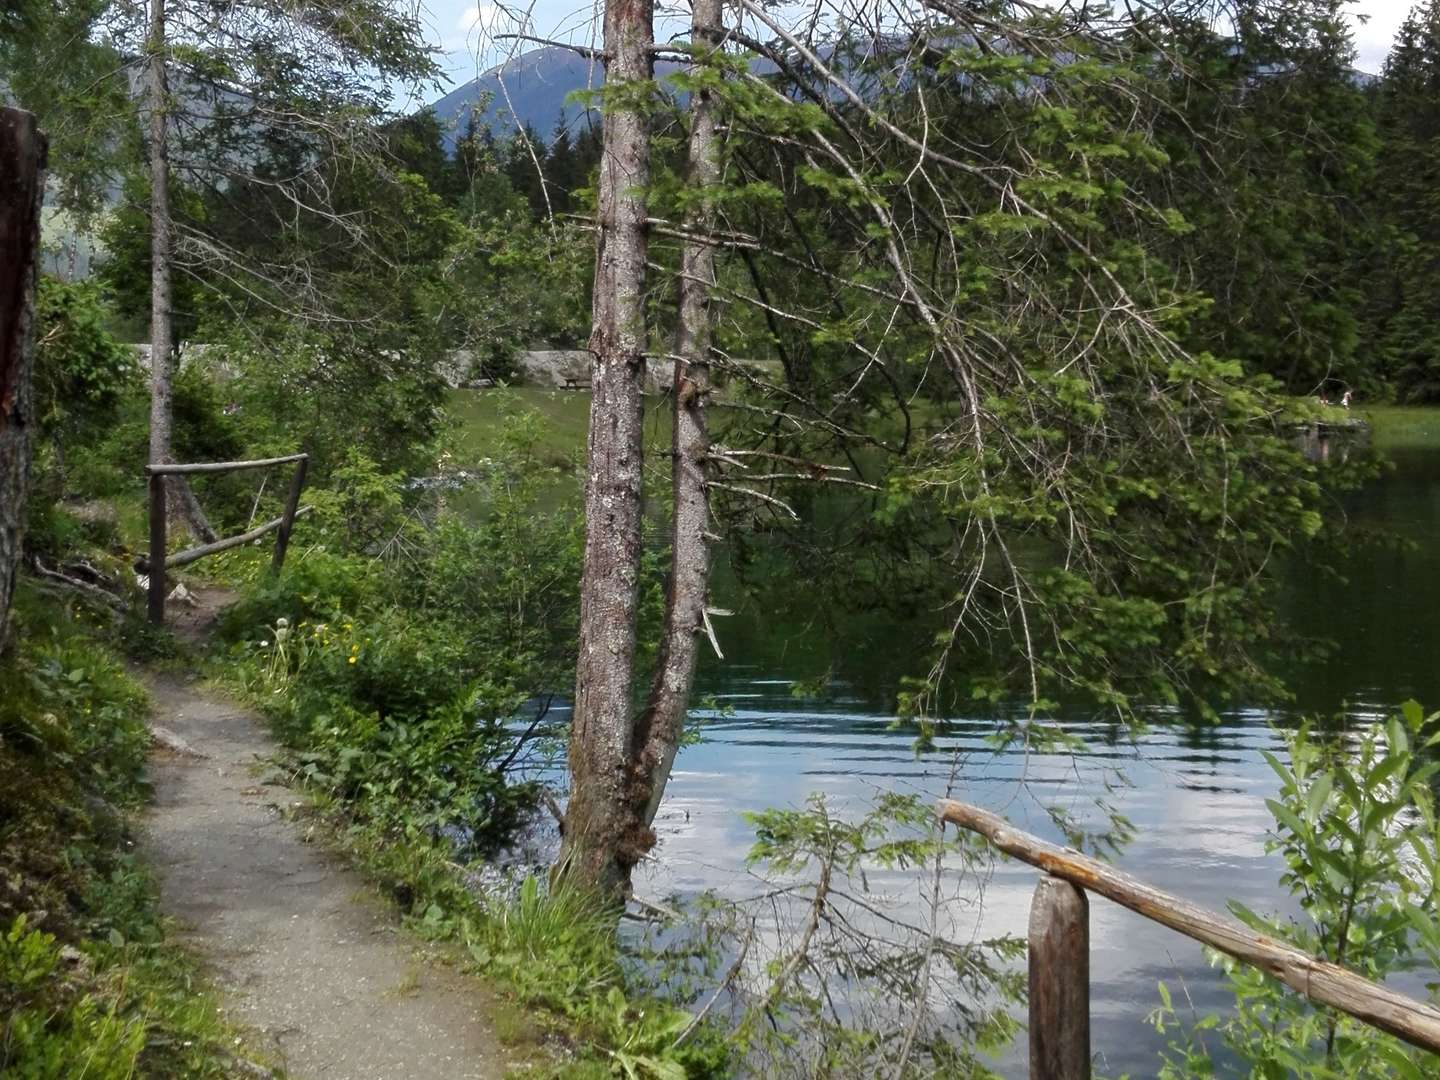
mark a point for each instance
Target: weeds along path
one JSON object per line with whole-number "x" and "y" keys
{"x": 304, "y": 953}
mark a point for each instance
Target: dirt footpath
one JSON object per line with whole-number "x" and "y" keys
{"x": 304, "y": 953}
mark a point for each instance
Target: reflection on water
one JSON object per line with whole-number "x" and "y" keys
{"x": 1197, "y": 802}
{"x": 1195, "y": 795}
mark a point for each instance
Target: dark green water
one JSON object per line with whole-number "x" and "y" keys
{"x": 1196, "y": 794}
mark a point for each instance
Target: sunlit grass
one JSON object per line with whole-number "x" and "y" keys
{"x": 1395, "y": 427}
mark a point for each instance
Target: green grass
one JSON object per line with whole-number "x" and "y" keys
{"x": 564, "y": 416}
{"x": 1402, "y": 427}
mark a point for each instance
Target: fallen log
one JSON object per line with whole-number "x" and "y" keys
{"x": 219, "y": 466}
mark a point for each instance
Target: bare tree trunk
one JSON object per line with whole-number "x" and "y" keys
{"x": 22, "y": 179}
{"x": 182, "y": 499}
{"x": 602, "y": 842}
{"x": 663, "y": 720}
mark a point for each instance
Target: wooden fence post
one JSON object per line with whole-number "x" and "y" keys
{"x": 1059, "y": 982}
{"x": 292, "y": 503}
{"x": 157, "y": 549}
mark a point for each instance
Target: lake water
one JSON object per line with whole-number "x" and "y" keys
{"x": 1196, "y": 795}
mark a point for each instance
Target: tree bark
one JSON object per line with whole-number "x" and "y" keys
{"x": 181, "y": 499}
{"x": 602, "y": 842}
{"x": 663, "y": 721}
{"x": 22, "y": 179}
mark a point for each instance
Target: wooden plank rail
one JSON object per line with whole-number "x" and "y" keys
{"x": 189, "y": 555}
{"x": 157, "y": 563}
{"x": 172, "y": 469}
{"x": 1416, "y": 1022}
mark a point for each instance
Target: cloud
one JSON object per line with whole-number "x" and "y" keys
{"x": 473, "y": 31}
{"x": 479, "y": 19}
{"x": 1375, "y": 35}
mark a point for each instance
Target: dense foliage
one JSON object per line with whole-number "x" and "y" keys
{"x": 397, "y": 656}
{"x": 89, "y": 983}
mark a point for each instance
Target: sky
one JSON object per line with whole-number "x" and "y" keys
{"x": 469, "y": 33}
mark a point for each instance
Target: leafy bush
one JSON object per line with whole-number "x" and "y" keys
{"x": 82, "y": 380}
{"x": 81, "y": 372}
{"x": 316, "y": 586}
{"x": 51, "y": 1030}
{"x": 1355, "y": 823}
{"x": 363, "y": 509}
{"x": 89, "y": 984}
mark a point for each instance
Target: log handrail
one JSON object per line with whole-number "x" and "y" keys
{"x": 1415, "y": 1022}
{"x": 157, "y": 563}
{"x": 174, "y": 469}
{"x": 189, "y": 555}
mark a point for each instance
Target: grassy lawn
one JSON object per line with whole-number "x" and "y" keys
{"x": 564, "y": 416}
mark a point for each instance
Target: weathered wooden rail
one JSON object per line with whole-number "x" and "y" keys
{"x": 158, "y": 563}
{"x": 1060, "y": 950}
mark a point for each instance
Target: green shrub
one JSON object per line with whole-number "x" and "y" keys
{"x": 89, "y": 984}
{"x": 51, "y": 1031}
{"x": 315, "y": 586}
{"x": 1355, "y": 822}
{"x": 83, "y": 380}
{"x": 362, "y": 510}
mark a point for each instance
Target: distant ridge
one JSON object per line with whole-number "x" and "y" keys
{"x": 529, "y": 89}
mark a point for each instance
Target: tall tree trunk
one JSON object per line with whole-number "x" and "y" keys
{"x": 619, "y": 767}
{"x": 601, "y": 840}
{"x": 22, "y": 179}
{"x": 181, "y": 498}
{"x": 663, "y": 721}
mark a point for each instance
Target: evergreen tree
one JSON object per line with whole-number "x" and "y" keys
{"x": 54, "y": 64}
{"x": 560, "y": 167}
{"x": 1271, "y": 148}
{"x": 1407, "y": 309}
{"x": 525, "y": 166}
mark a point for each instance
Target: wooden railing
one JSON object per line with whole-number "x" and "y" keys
{"x": 157, "y": 564}
{"x": 1060, "y": 951}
